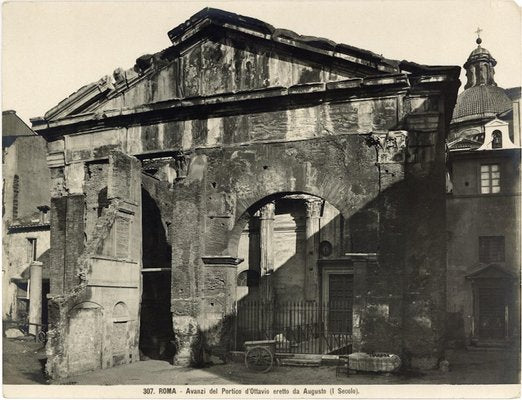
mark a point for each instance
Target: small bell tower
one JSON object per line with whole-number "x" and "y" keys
{"x": 480, "y": 66}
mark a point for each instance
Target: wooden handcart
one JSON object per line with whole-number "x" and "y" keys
{"x": 260, "y": 355}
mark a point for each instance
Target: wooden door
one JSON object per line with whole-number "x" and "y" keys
{"x": 340, "y": 303}
{"x": 492, "y": 321}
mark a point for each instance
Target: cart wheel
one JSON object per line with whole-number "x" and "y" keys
{"x": 42, "y": 337}
{"x": 259, "y": 359}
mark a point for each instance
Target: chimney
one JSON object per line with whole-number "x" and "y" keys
{"x": 44, "y": 214}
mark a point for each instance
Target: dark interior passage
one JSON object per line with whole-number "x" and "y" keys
{"x": 156, "y": 334}
{"x": 45, "y": 311}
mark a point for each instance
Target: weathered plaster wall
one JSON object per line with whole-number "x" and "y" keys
{"x": 9, "y": 160}
{"x": 466, "y": 173}
{"x": 471, "y": 215}
{"x": 16, "y": 252}
{"x": 9, "y": 163}
{"x": 18, "y": 248}
{"x": 95, "y": 266}
{"x": 25, "y": 159}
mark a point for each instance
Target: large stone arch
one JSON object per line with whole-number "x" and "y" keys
{"x": 241, "y": 221}
{"x": 342, "y": 170}
{"x": 225, "y": 185}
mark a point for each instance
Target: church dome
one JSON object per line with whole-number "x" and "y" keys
{"x": 479, "y": 51}
{"x": 480, "y": 102}
{"x": 482, "y": 98}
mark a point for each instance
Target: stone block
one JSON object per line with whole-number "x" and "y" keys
{"x": 13, "y": 333}
{"x": 74, "y": 178}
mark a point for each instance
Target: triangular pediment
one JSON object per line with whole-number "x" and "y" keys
{"x": 464, "y": 143}
{"x": 211, "y": 21}
{"x": 492, "y": 271}
{"x": 218, "y": 52}
{"x": 496, "y": 123}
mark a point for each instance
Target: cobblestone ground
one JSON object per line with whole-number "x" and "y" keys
{"x": 23, "y": 361}
{"x": 23, "y": 364}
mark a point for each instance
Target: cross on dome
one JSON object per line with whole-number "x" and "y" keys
{"x": 479, "y": 40}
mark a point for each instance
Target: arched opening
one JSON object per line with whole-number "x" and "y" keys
{"x": 496, "y": 142}
{"x": 120, "y": 333}
{"x": 295, "y": 284}
{"x": 156, "y": 334}
{"x": 84, "y": 350}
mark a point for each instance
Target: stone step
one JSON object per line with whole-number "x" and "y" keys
{"x": 300, "y": 356}
{"x": 300, "y": 362}
{"x": 488, "y": 348}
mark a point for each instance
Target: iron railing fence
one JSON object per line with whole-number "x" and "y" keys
{"x": 305, "y": 327}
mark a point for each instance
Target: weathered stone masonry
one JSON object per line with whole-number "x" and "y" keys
{"x": 234, "y": 115}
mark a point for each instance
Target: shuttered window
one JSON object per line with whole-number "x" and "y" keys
{"x": 31, "y": 249}
{"x": 491, "y": 249}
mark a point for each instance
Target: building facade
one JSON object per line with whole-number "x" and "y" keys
{"x": 25, "y": 224}
{"x": 244, "y": 163}
{"x": 483, "y": 210}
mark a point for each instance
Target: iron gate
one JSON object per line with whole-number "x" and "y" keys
{"x": 298, "y": 327}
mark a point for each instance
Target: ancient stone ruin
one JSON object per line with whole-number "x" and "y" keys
{"x": 248, "y": 164}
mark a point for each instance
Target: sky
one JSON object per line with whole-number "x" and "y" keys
{"x": 51, "y": 49}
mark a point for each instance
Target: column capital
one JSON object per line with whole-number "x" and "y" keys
{"x": 267, "y": 211}
{"x": 313, "y": 208}
{"x": 36, "y": 263}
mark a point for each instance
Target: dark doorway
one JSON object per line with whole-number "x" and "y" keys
{"x": 492, "y": 320}
{"x": 156, "y": 334}
{"x": 45, "y": 307}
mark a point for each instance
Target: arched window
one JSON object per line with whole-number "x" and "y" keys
{"x": 479, "y": 137}
{"x": 497, "y": 140}
{"x": 119, "y": 335}
{"x": 120, "y": 312}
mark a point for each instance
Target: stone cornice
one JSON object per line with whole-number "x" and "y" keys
{"x": 29, "y": 227}
{"x": 347, "y": 259}
{"x": 221, "y": 260}
{"x": 489, "y": 153}
{"x": 83, "y": 96}
{"x": 228, "y": 103}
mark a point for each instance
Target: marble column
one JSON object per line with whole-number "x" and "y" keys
{"x": 35, "y": 297}
{"x": 313, "y": 215}
{"x": 266, "y": 240}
